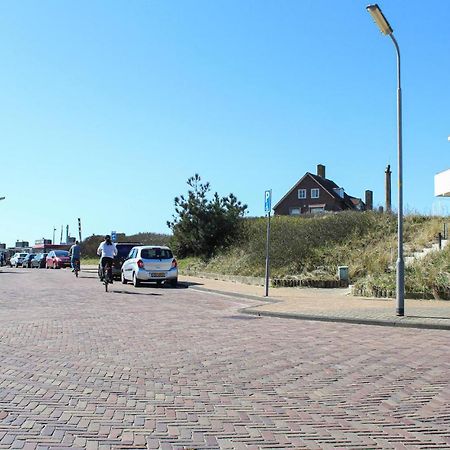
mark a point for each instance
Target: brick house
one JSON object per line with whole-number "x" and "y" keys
{"x": 314, "y": 194}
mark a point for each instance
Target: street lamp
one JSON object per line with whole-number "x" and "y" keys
{"x": 386, "y": 29}
{"x": 2, "y": 198}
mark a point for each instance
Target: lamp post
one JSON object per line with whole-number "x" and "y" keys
{"x": 386, "y": 29}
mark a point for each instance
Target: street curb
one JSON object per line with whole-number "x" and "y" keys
{"x": 384, "y": 323}
{"x": 399, "y": 323}
{"x": 235, "y": 294}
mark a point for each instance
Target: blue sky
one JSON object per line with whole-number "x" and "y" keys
{"x": 107, "y": 107}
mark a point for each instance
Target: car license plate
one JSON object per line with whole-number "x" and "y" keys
{"x": 158, "y": 274}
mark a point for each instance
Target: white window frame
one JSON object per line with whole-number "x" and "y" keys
{"x": 296, "y": 208}
{"x": 316, "y": 209}
{"x": 301, "y": 194}
{"x": 315, "y": 193}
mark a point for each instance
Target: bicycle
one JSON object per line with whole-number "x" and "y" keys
{"x": 76, "y": 267}
{"x": 107, "y": 275}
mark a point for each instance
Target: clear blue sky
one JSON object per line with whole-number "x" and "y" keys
{"x": 126, "y": 100}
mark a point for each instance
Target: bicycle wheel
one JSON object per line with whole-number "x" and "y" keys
{"x": 106, "y": 276}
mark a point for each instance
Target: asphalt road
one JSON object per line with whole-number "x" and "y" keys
{"x": 179, "y": 368}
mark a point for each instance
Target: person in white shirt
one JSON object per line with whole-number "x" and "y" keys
{"x": 107, "y": 250}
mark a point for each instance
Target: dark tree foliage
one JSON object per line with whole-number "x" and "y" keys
{"x": 202, "y": 226}
{"x": 89, "y": 245}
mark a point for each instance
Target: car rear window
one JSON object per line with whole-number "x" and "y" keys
{"x": 61, "y": 253}
{"x": 156, "y": 253}
{"x": 123, "y": 250}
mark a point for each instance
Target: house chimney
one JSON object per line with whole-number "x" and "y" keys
{"x": 321, "y": 170}
{"x": 388, "y": 188}
{"x": 369, "y": 200}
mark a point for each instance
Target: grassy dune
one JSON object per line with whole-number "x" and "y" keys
{"x": 313, "y": 247}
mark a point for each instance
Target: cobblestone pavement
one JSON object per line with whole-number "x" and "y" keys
{"x": 333, "y": 305}
{"x": 182, "y": 369}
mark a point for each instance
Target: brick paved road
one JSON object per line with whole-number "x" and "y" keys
{"x": 164, "y": 368}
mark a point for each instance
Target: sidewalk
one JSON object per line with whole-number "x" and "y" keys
{"x": 330, "y": 305}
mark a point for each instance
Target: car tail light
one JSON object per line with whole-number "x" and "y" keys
{"x": 140, "y": 264}
{"x": 174, "y": 263}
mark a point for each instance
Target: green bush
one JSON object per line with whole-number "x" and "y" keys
{"x": 203, "y": 226}
{"x": 89, "y": 245}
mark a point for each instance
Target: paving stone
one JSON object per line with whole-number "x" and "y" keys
{"x": 178, "y": 368}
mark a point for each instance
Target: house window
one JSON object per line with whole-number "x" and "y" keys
{"x": 316, "y": 209}
{"x": 315, "y": 193}
{"x": 294, "y": 211}
{"x": 302, "y": 193}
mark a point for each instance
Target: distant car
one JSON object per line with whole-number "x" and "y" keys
{"x": 123, "y": 250}
{"x": 57, "y": 259}
{"x": 16, "y": 259}
{"x": 26, "y": 262}
{"x": 39, "y": 260}
{"x": 150, "y": 263}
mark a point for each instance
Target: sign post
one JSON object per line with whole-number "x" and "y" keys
{"x": 267, "y": 209}
{"x": 79, "y": 228}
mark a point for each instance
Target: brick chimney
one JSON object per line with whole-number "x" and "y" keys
{"x": 321, "y": 170}
{"x": 387, "y": 185}
{"x": 369, "y": 200}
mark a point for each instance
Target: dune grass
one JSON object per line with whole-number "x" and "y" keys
{"x": 313, "y": 247}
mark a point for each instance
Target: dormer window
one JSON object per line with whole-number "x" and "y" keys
{"x": 301, "y": 193}
{"x": 315, "y": 193}
{"x": 339, "y": 191}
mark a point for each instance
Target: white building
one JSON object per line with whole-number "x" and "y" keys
{"x": 442, "y": 184}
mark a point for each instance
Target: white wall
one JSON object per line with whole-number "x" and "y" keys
{"x": 442, "y": 184}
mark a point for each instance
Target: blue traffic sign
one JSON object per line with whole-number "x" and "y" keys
{"x": 268, "y": 201}
{"x": 113, "y": 236}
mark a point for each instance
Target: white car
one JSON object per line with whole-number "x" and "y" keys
{"x": 150, "y": 263}
{"x": 17, "y": 258}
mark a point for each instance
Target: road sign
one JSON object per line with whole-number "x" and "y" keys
{"x": 113, "y": 236}
{"x": 267, "y": 209}
{"x": 268, "y": 201}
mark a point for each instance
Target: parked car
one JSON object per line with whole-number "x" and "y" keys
{"x": 16, "y": 259}
{"x": 57, "y": 259}
{"x": 150, "y": 263}
{"x": 39, "y": 260}
{"x": 123, "y": 250}
{"x": 26, "y": 262}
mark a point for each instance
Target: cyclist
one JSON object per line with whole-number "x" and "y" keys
{"x": 107, "y": 250}
{"x": 75, "y": 255}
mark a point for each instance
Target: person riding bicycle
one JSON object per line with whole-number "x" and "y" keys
{"x": 75, "y": 255}
{"x": 107, "y": 250}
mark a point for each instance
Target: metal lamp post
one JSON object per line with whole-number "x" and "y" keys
{"x": 386, "y": 29}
